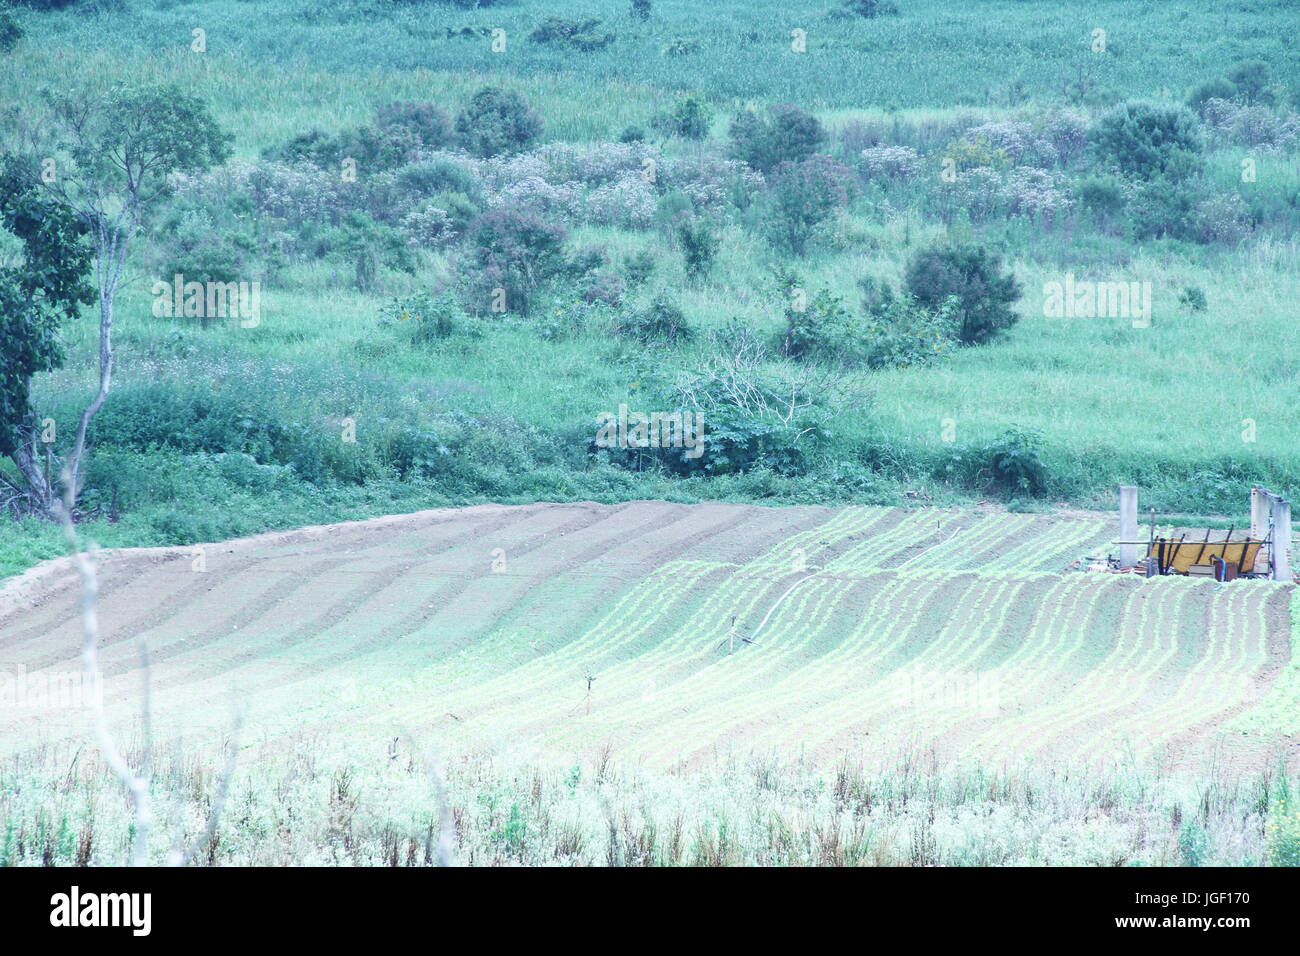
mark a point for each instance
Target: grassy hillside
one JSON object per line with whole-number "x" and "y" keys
{"x": 214, "y": 430}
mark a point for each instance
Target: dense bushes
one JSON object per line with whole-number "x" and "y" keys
{"x": 511, "y": 255}
{"x": 973, "y": 276}
{"x": 1146, "y": 140}
{"x": 496, "y": 122}
{"x": 803, "y": 197}
{"x": 786, "y": 134}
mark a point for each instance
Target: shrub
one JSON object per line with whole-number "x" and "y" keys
{"x": 1010, "y": 464}
{"x": 632, "y": 134}
{"x": 1193, "y": 298}
{"x": 1222, "y": 218}
{"x": 785, "y": 135}
{"x": 974, "y": 276}
{"x": 698, "y": 243}
{"x": 1164, "y": 208}
{"x": 890, "y": 162}
{"x": 513, "y": 251}
{"x": 369, "y": 245}
{"x": 437, "y": 174}
{"x": 661, "y": 320}
{"x": 1216, "y": 89}
{"x": 426, "y": 122}
{"x": 1102, "y": 196}
{"x": 10, "y": 31}
{"x": 822, "y": 328}
{"x": 641, "y": 9}
{"x": 1147, "y": 140}
{"x": 584, "y": 35}
{"x": 803, "y": 197}
{"x": 871, "y": 8}
{"x": 640, "y": 266}
{"x": 496, "y": 122}
{"x": 901, "y": 333}
{"x": 431, "y": 316}
{"x": 689, "y": 119}
{"x": 1251, "y": 82}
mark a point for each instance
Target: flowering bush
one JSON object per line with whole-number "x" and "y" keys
{"x": 628, "y": 202}
{"x": 890, "y": 162}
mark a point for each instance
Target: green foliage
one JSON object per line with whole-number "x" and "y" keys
{"x": 689, "y": 119}
{"x": 973, "y": 276}
{"x": 1192, "y": 298}
{"x": 496, "y": 122}
{"x": 512, "y": 251}
{"x": 1010, "y": 464}
{"x": 786, "y": 134}
{"x": 10, "y": 31}
{"x": 1013, "y": 461}
{"x": 584, "y": 35}
{"x": 37, "y": 294}
{"x": 699, "y": 245}
{"x": 802, "y": 198}
{"x": 1282, "y": 830}
{"x": 128, "y": 140}
{"x": 1191, "y": 843}
{"x": 1149, "y": 140}
{"x": 641, "y": 9}
{"x": 1251, "y": 81}
{"x": 822, "y": 328}
{"x": 661, "y": 320}
{"x": 871, "y": 8}
{"x": 368, "y": 245}
{"x": 430, "y": 316}
{"x": 900, "y": 333}
{"x": 1217, "y": 88}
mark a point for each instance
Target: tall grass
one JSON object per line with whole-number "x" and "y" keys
{"x": 288, "y": 804}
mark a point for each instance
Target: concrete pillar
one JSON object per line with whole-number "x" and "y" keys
{"x": 1128, "y": 525}
{"x": 1281, "y": 512}
{"x": 1258, "y": 513}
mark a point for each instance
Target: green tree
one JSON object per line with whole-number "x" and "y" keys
{"x": 971, "y": 274}
{"x": 46, "y": 287}
{"x": 1146, "y": 140}
{"x": 497, "y": 121}
{"x": 785, "y": 135}
{"x": 113, "y": 153}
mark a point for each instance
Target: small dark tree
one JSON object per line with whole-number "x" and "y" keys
{"x": 785, "y": 135}
{"x": 699, "y": 245}
{"x": 803, "y": 197}
{"x": 35, "y": 296}
{"x": 1251, "y": 80}
{"x": 689, "y": 119}
{"x": 1146, "y": 140}
{"x": 10, "y": 31}
{"x": 511, "y": 255}
{"x": 497, "y": 121}
{"x": 972, "y": 275}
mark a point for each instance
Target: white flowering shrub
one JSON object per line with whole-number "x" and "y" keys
{"x": 890, "y": 162}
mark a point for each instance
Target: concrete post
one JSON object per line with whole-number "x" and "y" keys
{"x": 1258, "y": 512}
{"x": 1128, "y": 525}
{"x": 1281, "y": 512}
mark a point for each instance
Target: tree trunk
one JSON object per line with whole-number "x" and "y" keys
{"x": 40, "y": 486}
{"x": 110, "y": 268}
